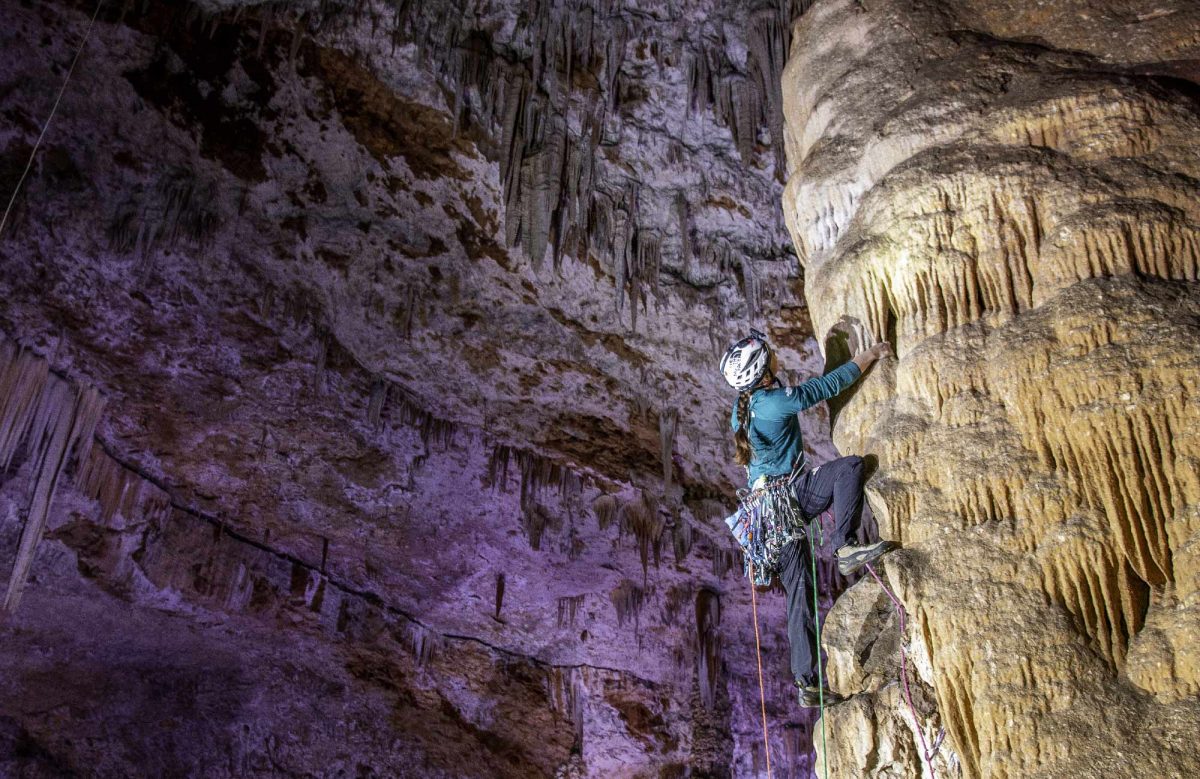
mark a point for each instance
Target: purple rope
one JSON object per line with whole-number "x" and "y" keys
{"x": 904, "y": 671}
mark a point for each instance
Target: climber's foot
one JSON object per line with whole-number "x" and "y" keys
{"x": 852, "y": 557}
{"x": 812, "y": 697}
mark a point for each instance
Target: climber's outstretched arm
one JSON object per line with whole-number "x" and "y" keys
{"x": 813, "y": 391}
{"x": 864, "y": 359}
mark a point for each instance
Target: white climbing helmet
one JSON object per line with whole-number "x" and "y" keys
{"x": 746, "y": 361}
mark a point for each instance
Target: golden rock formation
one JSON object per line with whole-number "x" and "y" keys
{"x": 1008, "y": 193}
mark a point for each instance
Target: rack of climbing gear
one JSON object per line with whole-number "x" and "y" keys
{"x": 767, "y": 518}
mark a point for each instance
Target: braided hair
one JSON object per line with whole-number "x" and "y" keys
{"x": 741, "y": 436}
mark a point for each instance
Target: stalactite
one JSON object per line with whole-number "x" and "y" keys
{"x": 179, "y": 206}
{"x": 681, "y": 539}
{"x": 642, "y": 406}
{"x": 313, "y": 588}
{"x": 605, "y": 509}
{"x": 379, "y": 392}
{"x": 683, "y": 214}
{"x": 432, "y": 429}
{"x": 668, "y": 422}
{"x": 751, "y": 290}
{"x": 627, "y": 599}
{"x": 724, "y": 560}
{"x": 567, "y": 608}
{"x": 677, "y": 597}
{"x": 120, "y": 491}
{"x": 567, "y": 691}
{"x": 426, "y": 644}
{"x": 53, "y": 424}
{"x": 538, "y": 474}
{"x": 641, "y": 519}
{"x": 534, "y": 521}
{"x": 708, "y": 644}
{"x": 575, "y": 545}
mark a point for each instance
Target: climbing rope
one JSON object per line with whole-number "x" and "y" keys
{"x": 12, "y": 200}
{"x": 812, "y": 549}
{"x": 762, "y": 693}
{"x": 904, "y": 671}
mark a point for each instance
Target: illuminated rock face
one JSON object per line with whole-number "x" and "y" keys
{"x": 1008, "y": 193}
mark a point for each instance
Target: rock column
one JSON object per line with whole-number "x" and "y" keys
{"x": 1008, "y": 193}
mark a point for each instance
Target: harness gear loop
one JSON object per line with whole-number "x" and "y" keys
{"x": 762, "y": 695}
{"x": 904, "y": 673}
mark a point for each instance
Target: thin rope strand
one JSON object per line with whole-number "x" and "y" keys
{"x": 812, "y": 553}
{"x": 904, "y": 671}
{"x": 71, "y": 70}
{"x": 762, "y": 695}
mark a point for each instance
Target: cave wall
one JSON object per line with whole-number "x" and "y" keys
{"x": 1007, "y": 192}
{"x": 404, "y": 318}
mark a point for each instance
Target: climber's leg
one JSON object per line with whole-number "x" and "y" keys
{"x": 796, "y": 579}
{"x": 836, "y": 485}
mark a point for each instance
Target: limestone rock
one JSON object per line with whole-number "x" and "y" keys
{"x": 1006, "y": 191}
{"x": 415, "y": 453}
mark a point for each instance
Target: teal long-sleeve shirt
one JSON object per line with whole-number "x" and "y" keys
{"x": 775, "y": 441}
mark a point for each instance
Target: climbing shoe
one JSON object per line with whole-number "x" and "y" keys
{"x": 851, "y": 557}
{"x": 811, "y": 697}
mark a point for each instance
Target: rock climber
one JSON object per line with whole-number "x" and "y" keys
{"x": 773, "y": 520}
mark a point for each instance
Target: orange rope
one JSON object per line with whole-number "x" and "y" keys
{"x": 762, "y": 695}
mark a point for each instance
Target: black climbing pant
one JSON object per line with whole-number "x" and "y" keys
{"x": 836, "y": 486}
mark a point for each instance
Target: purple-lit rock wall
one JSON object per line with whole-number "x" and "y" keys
{"x": 413, "y": 456}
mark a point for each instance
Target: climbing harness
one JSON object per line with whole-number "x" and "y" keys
{"x": 762, "y": 693}
{"x": 12, "y": 200}
{"x": 768, "y": 517}
{"x": 904, "y": 675}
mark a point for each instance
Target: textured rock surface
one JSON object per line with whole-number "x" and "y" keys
{"x": 405, "y": 317}
{"x": 1007, "y": 191}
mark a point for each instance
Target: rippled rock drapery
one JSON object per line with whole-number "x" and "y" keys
{"x": 405, "y": 316}
{"x": 1007, "y": 191}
